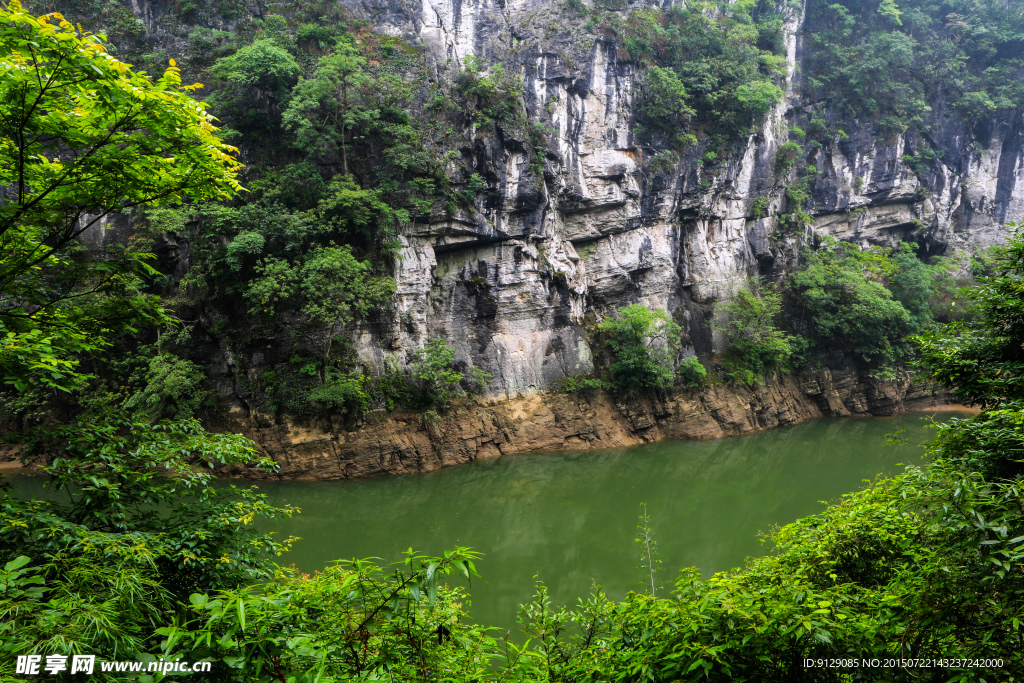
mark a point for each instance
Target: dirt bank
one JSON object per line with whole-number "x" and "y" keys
{"x": 399, "y": 443}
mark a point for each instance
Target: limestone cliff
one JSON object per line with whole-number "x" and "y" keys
{"x": 510, "y": 285}
{"x": 512, "y": 282}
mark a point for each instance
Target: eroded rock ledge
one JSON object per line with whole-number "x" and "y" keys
{"x": 400, "y": 443}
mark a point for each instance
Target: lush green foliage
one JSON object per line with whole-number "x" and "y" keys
{"x": 842, "y": 302}
{"x": 292, "y": 269}
{"x": 342, "y": 393}
{"x": 644, "y": 343}
{"x": 173, "y": 389}
{"x": 329, "y": 286}
{"x": 982, "y": 359}
{"x": 711, "y": 69}
{"x": 692, "y": 372}
{"x": 73, "y": 149}
{"x": 571, "y": 385}
{"x": 756, "y": 346}
{"x": 132, "y": 523}
{"x": 81, "y": 605}
{"x": 256, "y": 81}
{"x": 494, "y": 93}
{"x": 889, "y": 62}
{"x": 296, "y": 282}
{"x": 132, "y": 526}
{"x": 786, "y": 156}
{"x": 137, "y": 552}
{"x": 356, "y": 105}
{"x": 114, "y": 472}
{"x": 983, "y": 443}
{"x": 352, "y": 621}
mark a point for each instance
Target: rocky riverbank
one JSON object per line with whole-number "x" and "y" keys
{"x": 400, "y": 443}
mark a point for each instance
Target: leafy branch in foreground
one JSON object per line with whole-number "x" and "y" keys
{"x": 145, "y": 494}
{"x": 353, "y": 620}
{"x": 83, "y": 136}
{"x": 131, "y": 524}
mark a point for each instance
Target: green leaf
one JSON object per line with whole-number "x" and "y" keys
{"x": 16, "y": 563}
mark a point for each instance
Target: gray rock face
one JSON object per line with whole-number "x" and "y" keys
{"x": 510, "y": 283}
{"x": 510, "y": 286}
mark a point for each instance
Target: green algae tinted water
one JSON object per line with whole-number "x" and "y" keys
{"x": 570, "y": 518}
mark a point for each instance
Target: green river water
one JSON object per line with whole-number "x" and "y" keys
{"x": 570, "y": 518}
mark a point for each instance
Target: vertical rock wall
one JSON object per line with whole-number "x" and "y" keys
{"x": 511, "y": 283}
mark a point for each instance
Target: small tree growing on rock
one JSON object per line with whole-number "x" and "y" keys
{"x": 645, "y": 344}
{"x": 757, "y": 347}
{"x": 434, "y": 368}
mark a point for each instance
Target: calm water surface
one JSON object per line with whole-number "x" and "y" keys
{"x": 570, "y": 518}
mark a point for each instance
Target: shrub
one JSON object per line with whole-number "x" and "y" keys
{"x": 644, "y": 343}
{"x": 391, "y": 388}
{"x": 324, "y": 37}
{"x": 174, "y": 389}
{"x": 493, "y": 93}
{"x": 926, "y": 291}
{"x": 816, "y": 128}
{"x": 663, "y": 100}
{"x": 840, "y": 295}
{"x": 570, "y": 385}
{"x": 981, "y": 358}
{"x": 760, "y": 208}
{"x": 439, "y": 381}
{"x": 798, "y": 193}
{"x": 257, "y": 80}
{"x": 342, "y": 393}
{"x": 756, "y": 346}
{"x": 786, "y": 156}
{"x": 692, "y": 372}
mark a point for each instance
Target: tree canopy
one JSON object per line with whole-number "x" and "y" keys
{"x": 981, "y": 360}
{"x": 644, "y": 343}
{"x": 84, "y": 136}
{"x": 138, "y": 524}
